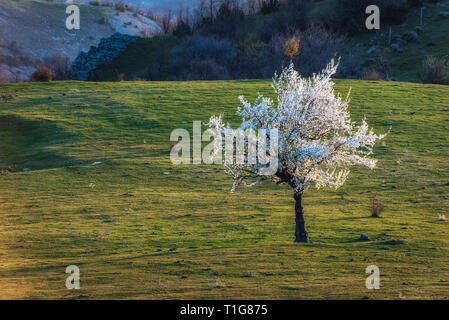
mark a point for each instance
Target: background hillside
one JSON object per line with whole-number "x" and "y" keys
{"x": 160, "y": 6}
{"x": 31, "y": 30}
{"x": 228, "y": 40}
{"x": 233, "y": 46}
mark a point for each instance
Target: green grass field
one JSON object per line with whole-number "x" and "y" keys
{"x": 88, "y": 185}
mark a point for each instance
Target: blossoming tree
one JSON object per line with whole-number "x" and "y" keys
{"x": 317, "y": 141}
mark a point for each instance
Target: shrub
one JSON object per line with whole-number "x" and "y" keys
{"x": 434, "y": 70}
{"x": 292, "y": 15}
{"x": 4, "y": 76}
{"x": 226, "y": 23}
{"x": 269, "y": 6}
{"x": 376, "y": 208}
{"x": 291, "y": 47}
{"x": 102, "y": 20}
{"x": 60, "y": 65}
{"x": 256, "y": 59}
{"x": 372, "y": 75}
{"x": 182, "y": 28}
{"x": 120, "y": 6}
{"x": 203, "y": 58}
{"x": 166, "y": 22}
{"x": 42, "y": 74}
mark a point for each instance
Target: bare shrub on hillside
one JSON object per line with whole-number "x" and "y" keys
{"x": 120, "y": 5}
{"x": 372, "y": 75}
{"x": 42, "y": 74}
{"x": 182, "y": 27}
{"x": 102, "y": 20}
{"x": 269, "y": 6}
{"x": 252, "y": 6}
{"x": 376, "y": 208}
{"x": 434, "y": 70}
{"x": 166, "y": 22}
{"x": 202, "y": 58}
{"x": 4, "y": 76}
{"x": 291, "y": 15}
{"x": 59, "y": 64}
{"x": 148, "y": 32}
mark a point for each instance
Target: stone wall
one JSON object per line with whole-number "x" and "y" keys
{"x": 106, "y": 51}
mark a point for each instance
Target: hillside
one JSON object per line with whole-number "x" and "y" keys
{"x": 432, "y": 39}
{"x": 38, "y": 29}
{"x": 87, "y": 180}
{"x": 158, "y": 6}
{"x": 397, "y": 58}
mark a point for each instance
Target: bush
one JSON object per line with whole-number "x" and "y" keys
{"x": 292, "y": 15}
{"x": 59, "y": 64}
{"x": 376, "y": 208}
{"x": 4, "y": 76}
{"x": 269, "y": 6}
{"x": 227, "y": 23}
{"x": 291, "y": 47}
{"x": 120, "y": 77}
{"x": 202, "y": 58}
{"x": 102, "y": 20}
{"x": 434, "y": 70}
{"x": 372, "y": 75}
{"x": 42, "y": 74}
{"x": 182, "y": 28}
{"x": 256, "y": 59}
{"x": 120, "y": 6}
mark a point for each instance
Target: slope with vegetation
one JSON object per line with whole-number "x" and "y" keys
{"x": 234, "y": 42}
{"x": 86, "y": 179}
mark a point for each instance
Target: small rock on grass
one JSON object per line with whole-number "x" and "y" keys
{"x": 364, "y": 237}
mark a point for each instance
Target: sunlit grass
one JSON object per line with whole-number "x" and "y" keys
{"x": 136, "y": 232}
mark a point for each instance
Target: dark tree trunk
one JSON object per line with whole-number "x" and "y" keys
{"x": 301, "y": 234}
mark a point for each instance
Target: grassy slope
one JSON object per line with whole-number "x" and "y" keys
{"x": 119, "y": 219}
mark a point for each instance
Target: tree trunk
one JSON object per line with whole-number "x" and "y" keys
{"x": 301, "y": 234}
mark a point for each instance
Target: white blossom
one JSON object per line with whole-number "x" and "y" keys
{"x": 318, "y": 142}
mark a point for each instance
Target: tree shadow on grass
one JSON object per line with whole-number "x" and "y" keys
{"x": 28, "y": 144}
